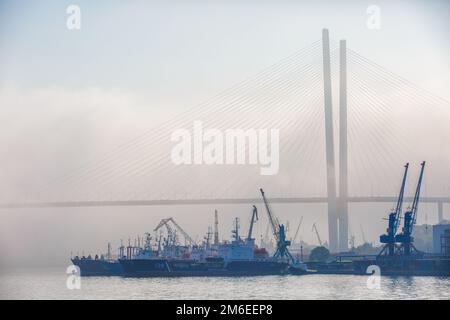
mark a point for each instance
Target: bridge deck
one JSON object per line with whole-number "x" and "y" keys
{"x": 112, "y": 203}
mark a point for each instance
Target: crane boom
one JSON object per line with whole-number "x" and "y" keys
{"x": 298, "y": 228}
{"x": 184, "y": 233}
{"x": 314, "y": 228}
{"x": 252, "y": 221}
{"x": 273, "y": 220}
{"x": 415, "y": 204}
{"x": 165, "y": 222}
{"x": 160, "y": 224}
{"x": 398, "y": 209}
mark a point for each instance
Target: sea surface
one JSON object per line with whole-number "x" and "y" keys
{"x": 51, "y": 284}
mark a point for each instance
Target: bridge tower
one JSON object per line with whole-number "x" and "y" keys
{"x": 337, "y": 207}
{"x": 329, "y": 145}
{"x": 343, "y": 160}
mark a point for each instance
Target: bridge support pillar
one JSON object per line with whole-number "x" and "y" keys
{"x": 329, "y": 144}
{"x": 440, "y": 212}
{"x": 343, "y": 162}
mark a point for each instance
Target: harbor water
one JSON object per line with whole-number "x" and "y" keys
{"x": 51, "y": 284}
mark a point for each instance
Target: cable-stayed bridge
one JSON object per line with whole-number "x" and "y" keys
{"x": 347, "y": 126}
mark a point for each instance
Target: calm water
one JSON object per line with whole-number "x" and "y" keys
{"x": 51, "y": 284}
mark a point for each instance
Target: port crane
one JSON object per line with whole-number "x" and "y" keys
{"x": 405, "y": 237}
{"x": 252, "y": 222}
{"x": 171, "y": 233}
{"x": 279, "y": 233}
{"x": 389, "y": 239}
{"x": 165, "y": 222}
{"x": 298, "y": 229}
{"x": 314, "y": 228}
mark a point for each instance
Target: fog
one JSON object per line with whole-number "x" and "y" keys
{"x": 87, "y": 115}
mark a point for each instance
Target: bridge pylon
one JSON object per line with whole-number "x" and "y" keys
{"x": 343, "y": 155}
{"x": 329, "y": 145}
{"x": 337, "y": 207}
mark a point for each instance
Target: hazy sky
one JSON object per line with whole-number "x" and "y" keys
{"x": 64, "y": 94}
{"x": 198, "y": 47}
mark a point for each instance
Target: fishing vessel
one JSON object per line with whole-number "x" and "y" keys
{"x": 240, "y": 257}
{"x": 166, "y": 257}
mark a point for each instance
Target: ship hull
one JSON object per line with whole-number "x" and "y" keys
{"x": 398, "y": 266}
{"x": 332, "y": 267}
{"x": 298, "y": 271}
{"x": 180, "y": 268}
{"x": 91, "y": 267}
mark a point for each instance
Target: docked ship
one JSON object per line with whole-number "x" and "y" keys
{"x": 415, "y": 265}
{"x": 240, "y": 257}
{"x": 166, "y": 257}
{"x": 98, "y": 265}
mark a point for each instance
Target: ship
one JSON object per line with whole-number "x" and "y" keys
{"x": 166, "y": 257}
{"x": 103, "y": 265}
{"x": 210, "y": 267}
{"x": 89, "y": 266}
{"x": 240, "y": 257}
{"x": 414, "y": 265}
